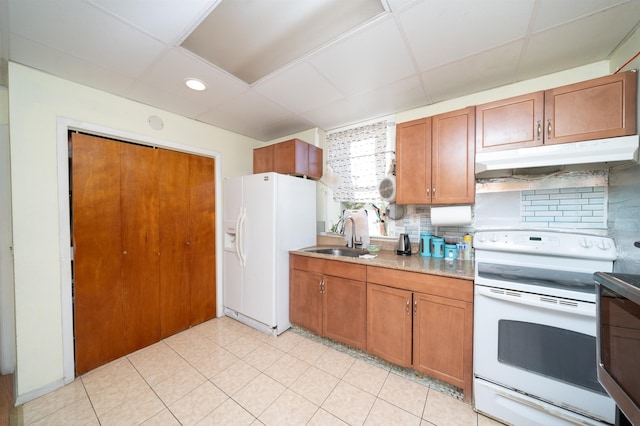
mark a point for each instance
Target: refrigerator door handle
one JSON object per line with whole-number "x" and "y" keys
{"x": 240, "y": 237}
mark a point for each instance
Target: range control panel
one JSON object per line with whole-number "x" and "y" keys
{"x": 547, "y": 243}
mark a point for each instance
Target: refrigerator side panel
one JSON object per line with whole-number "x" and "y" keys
{"x": 259, "y": 236}
{"x": 295, "y": 228}
{"x": 232, "y": 271}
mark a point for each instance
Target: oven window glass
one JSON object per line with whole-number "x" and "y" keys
{"x": 620, "y": 341}
{"x": 553, "y": 352}
{"x": 567, "y": 280}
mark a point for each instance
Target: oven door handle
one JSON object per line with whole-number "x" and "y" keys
{"x": 538, "y": 301}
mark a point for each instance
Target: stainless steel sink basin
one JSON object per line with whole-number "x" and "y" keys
{"x": 338, "y": 251}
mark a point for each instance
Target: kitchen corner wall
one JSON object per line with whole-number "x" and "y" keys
{"x": 624, "y": 217}
{"x": 36, "y": 103}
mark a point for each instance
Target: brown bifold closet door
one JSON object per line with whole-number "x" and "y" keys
{"x": 202, "y": 260}
{"x": 97, "y": 242}
{"x": 144, "y": 244}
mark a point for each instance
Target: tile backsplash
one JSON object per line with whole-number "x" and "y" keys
{"x": 573, "y": 208}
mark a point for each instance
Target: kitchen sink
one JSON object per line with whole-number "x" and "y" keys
{"x": 338, "y": 251}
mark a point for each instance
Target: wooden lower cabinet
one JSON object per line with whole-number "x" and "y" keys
{"x": 422, "y": 321}
{"x": 442, "y": 339}
{"x": 389, "y": 323}
{"x": 326, "y": 302}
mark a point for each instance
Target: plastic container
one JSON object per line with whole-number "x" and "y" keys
{"x": 468, "y": 246}
{"x": 425, "y": 244}
{"x": 437, "y": 247}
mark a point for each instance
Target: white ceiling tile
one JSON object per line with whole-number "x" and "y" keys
{"x": 299, "y": 88}
{"x": 441, "y": 31}
{"x": 66, "y": 66}
{"x": 252, "y": 108}
{"x": 335, "y": 115}
{"x": 486, "y": 70}
{"x": 171, "y": 70}
{"x": 583, "y": 41}
{"x": 178, "y": 104}
{"x": 273, "y": 130}
{"x": 398, "y": 96}
{"x": 371, "y": 58}
{"x": 554, "y": 12}
{"x": 83, "y": 31}
{"x": 167, "y": 20}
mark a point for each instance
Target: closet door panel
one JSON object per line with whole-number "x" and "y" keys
{"x": 140, "y": 246}
{"x": 175, "y": 290}
{"x": 97, "y": 251}
{"x": 202, "y": 241}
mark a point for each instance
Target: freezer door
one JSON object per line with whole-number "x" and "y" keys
{"x": 232, "y": 294}
{"x": 258, "y": 246}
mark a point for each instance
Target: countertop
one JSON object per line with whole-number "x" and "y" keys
{"x": 462, "y": 269}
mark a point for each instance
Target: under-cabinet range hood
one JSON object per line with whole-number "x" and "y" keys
{"x": 613, "y": 150}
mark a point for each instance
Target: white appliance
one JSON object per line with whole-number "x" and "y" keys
{"x": 613, "y": 150}
{"x": 535, "y": 327}
{"x": 265, "y": 216}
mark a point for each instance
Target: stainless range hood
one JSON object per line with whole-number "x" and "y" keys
{"x": 613, "y": 150}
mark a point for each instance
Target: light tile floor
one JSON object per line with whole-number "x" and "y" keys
{"x": 224, "y": 373}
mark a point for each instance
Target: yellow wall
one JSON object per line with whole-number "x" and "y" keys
{"x": 36, "y": 100}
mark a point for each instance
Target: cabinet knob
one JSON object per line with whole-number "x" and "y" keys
{"x": 124, "y": 252}
{"x": 539, "y": 131}
{"x": 415, "y": 307}
{"x": 407, "y": 308}
{"x": 549, "y": 129}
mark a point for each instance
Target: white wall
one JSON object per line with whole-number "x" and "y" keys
{"x": 7, "y": 325}
{"x": 36, "y": 103}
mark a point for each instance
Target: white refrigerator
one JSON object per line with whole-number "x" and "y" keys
{"x": 265, "y": 215}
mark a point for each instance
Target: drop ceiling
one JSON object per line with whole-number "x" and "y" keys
{"x": 400, "y": 55}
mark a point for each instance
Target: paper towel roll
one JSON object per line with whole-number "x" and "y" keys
{"x": 451, "y": 216}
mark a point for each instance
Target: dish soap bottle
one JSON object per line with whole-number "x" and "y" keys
{"x": 468, "y": 243}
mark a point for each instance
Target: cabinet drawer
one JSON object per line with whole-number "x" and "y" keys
{"x": 452, "y": 288}
{"x": 329, "y": 267}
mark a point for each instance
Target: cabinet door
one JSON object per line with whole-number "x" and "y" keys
{"x": 453, "y": 157}
{"x": 315, "y": 162}
{"x": 601, "y": 108}
{"x": 291, "y": 157}
{"x": 263, "y": 159}
{"x": 305, "y": 301}
{"x": 413, "y": 162}
{"x": 442, "y": 339}
{"x": 345, "y": 311}
{"x": 389, "y": 323}
{"x": 510, "y": 123}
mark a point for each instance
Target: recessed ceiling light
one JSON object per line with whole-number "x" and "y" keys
{"x": 195, "y": 84}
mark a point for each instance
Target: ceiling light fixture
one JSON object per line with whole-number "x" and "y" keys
{"x": 195, "y": 84}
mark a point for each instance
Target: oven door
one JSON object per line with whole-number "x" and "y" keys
{"x": 541, "y": 346}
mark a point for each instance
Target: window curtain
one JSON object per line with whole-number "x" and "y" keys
{"x": 361, "y": 157}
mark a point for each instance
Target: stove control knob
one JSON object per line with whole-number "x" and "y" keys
{"x": 604, "y": 245}
{"x": 586, "y": 243}
{"x": 493, "y": 238}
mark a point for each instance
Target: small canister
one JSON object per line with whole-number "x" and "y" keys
{"x": 437, "y": 246}
{"x": 425, "y": 244}
{"x": 450, "y": 251}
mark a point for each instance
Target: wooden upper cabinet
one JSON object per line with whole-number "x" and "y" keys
{"x": 604, "y": 107}
{"x": 601, "y": 108}
{"x": 292, "y": 157}
{"x": 413, "y": 162}
{"x": 510, "y": 123}
{"x": 453, "y": 157}
{"x": 263, "y": 159}
{"x": 435, "y": 159}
